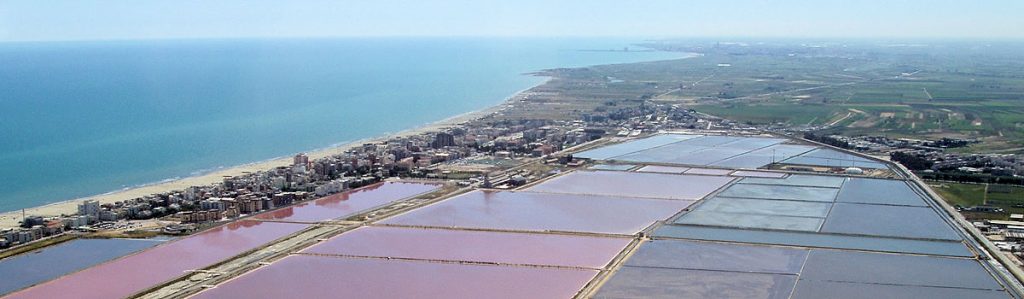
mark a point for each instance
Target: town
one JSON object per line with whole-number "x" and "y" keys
{"x": 484, "y": 143}
{"x": 476, "y": 152}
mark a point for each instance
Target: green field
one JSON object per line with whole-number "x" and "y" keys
{"x": 953, "y": 90}
{"x": 772, "y": 113}
{"x": 968, "y": 195}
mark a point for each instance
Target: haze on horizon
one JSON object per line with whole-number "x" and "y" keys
{"x": 48, "y": 20}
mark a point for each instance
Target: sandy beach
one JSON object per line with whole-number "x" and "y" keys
{"x": 11, "y": 219}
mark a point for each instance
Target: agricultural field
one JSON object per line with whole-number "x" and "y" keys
{"x": 942, "y": 90}
{"x": 1010, "y": 198}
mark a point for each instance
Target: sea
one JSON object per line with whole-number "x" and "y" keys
{"x": 88, "y": 117}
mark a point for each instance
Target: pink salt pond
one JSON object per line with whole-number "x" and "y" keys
{"x": 304, "y": 276}
{"x": 531, "y": 211}
{"x": 347, "y": 203}
{"x": 474, "y": 246}
{"x": 138, "y": 272}
{"x": 634, "y": 184}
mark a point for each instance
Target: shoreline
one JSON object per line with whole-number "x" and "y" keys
{"x": 10, "y": 219}
{"x": 203, "y": 177}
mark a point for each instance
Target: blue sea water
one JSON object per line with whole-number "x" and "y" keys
{"x": 83, "y": 118}
{"x": 28, "y": 269}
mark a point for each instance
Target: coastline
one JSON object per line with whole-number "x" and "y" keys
{"x": 10, "y": 219}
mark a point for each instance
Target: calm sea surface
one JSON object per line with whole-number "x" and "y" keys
{"x": 83, "y": 118}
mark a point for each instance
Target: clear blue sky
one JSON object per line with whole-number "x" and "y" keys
{"x": 44, "y": 20}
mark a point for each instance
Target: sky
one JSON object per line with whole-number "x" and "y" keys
{"x": 49, "y": 20}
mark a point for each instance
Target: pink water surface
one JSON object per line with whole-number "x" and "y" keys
{"x": 531, "y": 211}
{"x": 348, "y": 203}
{"x": 303, "y": 276}
{"x": 135, "y": 273}
{"x": 475, "y": 246}
{"x": 634, "y": 184}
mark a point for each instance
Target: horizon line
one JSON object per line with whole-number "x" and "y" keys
{"x": 499, "y": 36}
